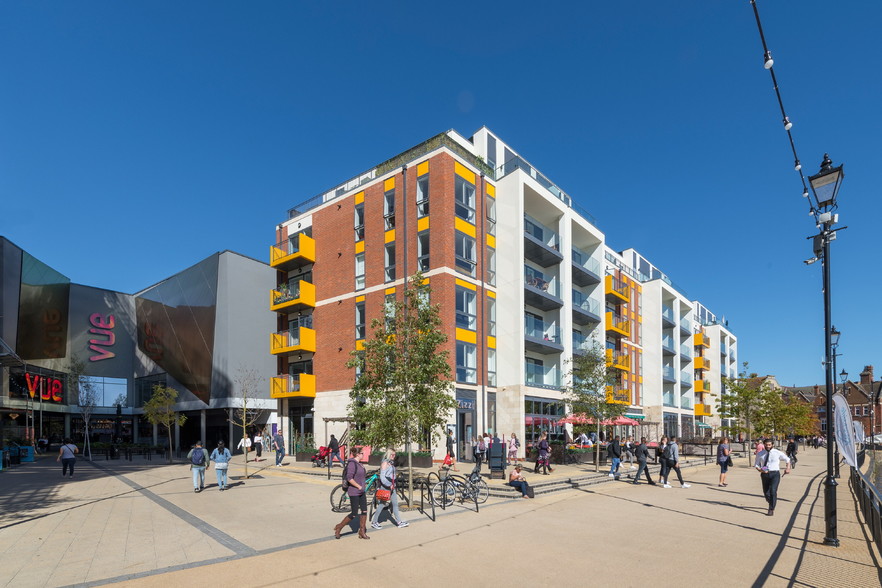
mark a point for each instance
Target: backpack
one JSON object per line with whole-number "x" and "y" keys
{"x": 518, "y": 443}
{"x": 669, "y": 451}
{"x": 198, "y": 457}
{"x": 346, "y": 476}
{"x": 481, "y": 446}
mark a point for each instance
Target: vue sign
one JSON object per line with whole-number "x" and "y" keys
{"x": 50, "y": 388}
{"x": 102, "y": 326}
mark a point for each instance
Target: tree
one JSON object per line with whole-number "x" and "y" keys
{"x": 87, "y": 396}
{"x": 590, "y": 391}
{"x": 404, "y": 385}
{"x": 246, "y": 416}
{"x": 159, "y": 410}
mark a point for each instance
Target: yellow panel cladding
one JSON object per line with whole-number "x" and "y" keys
{"x": 389, "y": 184}
{"x": 359, "y": 298}
{"x": 465, "y": 227}
{"x": 466, "y": 335}
{"x": 423, "y": 168}
{"x": 287, "y": 302}
{"x": 463, "y": 172}
{"x": 491, "y": 342}
{"x": 465, "y": 284}
{"x": 422, "y": 224}
{"x": 281, "y": 259}
{"x": 359, "y": 345}
{"x": 491, "y": 241}
{"x": 389, "y": 291}
{"x": 359, "y": 247}
{"x": 390, "y": 235}
{"x": 491, "y": 294}
{"x": 491, "y": 190}
{"x": 359, "y": 198}
{"x": 702, "y": 410}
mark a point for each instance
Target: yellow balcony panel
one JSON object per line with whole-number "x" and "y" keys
{"x": 702, "y": 363}
{"x": 702, "y": 410}
{"x": 618, "y": 396}
{"x": 701, "y": 340}
{"x": 290, "y": 299}
{"x": 298, "y": 340}
{"x": 621, "y": 361}
{"x": 618, "y": 324}
{"x": 293, "y": 253}
{"x": 617, "y": 290}
{"x": 702, "y": 386}
{"x": 285, "y": 386}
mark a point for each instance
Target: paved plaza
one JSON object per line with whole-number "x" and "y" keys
{"x": 140, "y": 524}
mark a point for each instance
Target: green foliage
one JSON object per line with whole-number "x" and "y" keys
{"x": 404, "y": 387}
{"x": 590, "y": 375}
{"x": 159, "y": 410}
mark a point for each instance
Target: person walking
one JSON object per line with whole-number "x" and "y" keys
{"x": 513, "y": 446}
{"x": 67, "y": 455}
{"x": 279, "y": 446}
{"x": 672, "y": 455}
{"x": 629, "y": 451}
{"x": 354, "y": 477}
{"x": 245, "y": 444}
{"x": 517, "y": 480}
{"x": 543, "y": 459}
{"x": 768, "y": 464}
{"x": 479, "y": 449}
{"x": 221, "y": 458}
{"x": 614, "y": 454}
{"x": 641, "y": 452}
{"x": 723, "y": 459}
{"x": 387, "y": 482}
{"x": 333, "y": 451}
{"x": 257, "y": 445}
{"x": 451, "y": 453}
{"x": 791, "y": 451}
{"x": 198, "y": 457}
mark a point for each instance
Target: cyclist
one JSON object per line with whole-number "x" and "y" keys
{"x": 387, "y": 482}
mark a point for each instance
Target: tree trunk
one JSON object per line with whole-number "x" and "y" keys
{"x": 170, "y": 460}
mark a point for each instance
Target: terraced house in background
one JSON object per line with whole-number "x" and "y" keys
{"x": 525, "y": 281}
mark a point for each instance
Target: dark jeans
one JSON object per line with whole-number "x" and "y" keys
{"x": 520, "y": 485}
{"x": 356, "y": 502}
{"x": 641, "y": 468}
{"x": 479, "y": 457}
{"x": 667, "y": 467}
{"x": 770, "y": 487}
{"x": 333, "y": 455}
{"x": 67, "y": 462}
{"x": 280, "y": 453}
{"x": 259, "y": 449}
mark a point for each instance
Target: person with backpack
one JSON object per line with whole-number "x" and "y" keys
{"x": 221, "y": 458}
{"x": 198, "y": 457}
{"x": 672, "y": 457}
{"x": 641, "y": 451}
{"x": 353, "y": 483}
{"x": 614, "y": 454}
{"x": 480, "y": 449}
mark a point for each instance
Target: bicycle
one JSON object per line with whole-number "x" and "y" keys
{"x": 450, "y": 487}
{"x": 340, "y": 498}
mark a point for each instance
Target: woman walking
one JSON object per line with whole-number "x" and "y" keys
{"x": 67, "y": 456}
{"x": 257, "y": 444}
{"x": 723, "y": 459}
{"x": 387, "y": 482}
{"x": 513, "y": 446}
{"x": 221, "y": 458}
{"x": 355, "y": 477}
{"x": 664, "y": 468}
{"x": 544, "y": 459}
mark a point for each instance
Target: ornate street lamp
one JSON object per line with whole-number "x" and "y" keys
{"x": 825, "y": 186}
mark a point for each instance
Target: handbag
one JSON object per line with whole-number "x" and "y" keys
{"x": 220, "y": 465}
{"x": 729, "y": 463}
{"x": 384, "y": 495}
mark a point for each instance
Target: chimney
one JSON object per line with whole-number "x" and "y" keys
{"x": 867, "y": 376}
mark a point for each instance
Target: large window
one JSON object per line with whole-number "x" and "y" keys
{"x": 491, "y": 367}
{"x": 490, "y": 205}
{"x": 389, "y": 209}
{"x": 541, "y": 415}
{"x": 465, "y": 199}
{"x": 466, "y": 363}
{"x": 466, "y": 308}
{"x": 423, "y": 251}
{"x": 465, "y": 253}
{"x": 491, "y": 317}
{"x": 422, "y": 196}
{"x": 491, "y": 266}
{"x": 360, "y": 320}
{"x": 359, "y": 271}
{"x": 390, "y": 261}
{"x": 359, "y": 222}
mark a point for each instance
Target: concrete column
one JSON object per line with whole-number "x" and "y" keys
{"x": 203, "y": 426}
{"x": 230, "y": 435}
{"x": 177, "y": 435}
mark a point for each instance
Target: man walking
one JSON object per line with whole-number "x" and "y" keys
{"x": 614, "y": 454}
{"x": 672, "y": 454}
{"x": 642, "y": 454}
{"x": 198, "y": 457}
{"x": 791, "y": 451}
{"x": 279, "y": 446}
{"x": 334, "y": 448}
{"x": 768, "y": 464}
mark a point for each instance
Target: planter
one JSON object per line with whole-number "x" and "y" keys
{"x": 418, "y": 461}
{"x": 304, "y": 455}
{"x": 375, "y": 459}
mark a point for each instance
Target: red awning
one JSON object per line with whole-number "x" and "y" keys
{"x": 529, "y": 420}
{"x": 581, "y": 419}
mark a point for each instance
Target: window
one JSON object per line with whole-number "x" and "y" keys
{"x": 359, "y": 271}
{"x": 390, "y": 261}
{"x": 423, "y": 251}
{"x": 359, "y": 367}
{"x": 866, "y": 410}
{"x": 491, "y": 266}
{"x": 465, "y": 308}
{"x": 465, "y": 253}
{"x": 389, "y": 209}
{"x": 359, "y": 320}
{"x": 389, "y": 311}
{"x": 465, "y": 199}
{"x": 422, "y": 196}
{"x": 491, "y": 367}
{"x": 466, "y": 366}
{"x": 491, "y": 317}
{"x": 359, "y": 222}
{"x": 490, "y": 205}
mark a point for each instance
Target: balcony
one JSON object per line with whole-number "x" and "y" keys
{"x": 702, "y": 363}
{"x": 668, "y": 398}
{"x": 586, "y": 271}
{"x": 620, "y": 361}
{"x": 616, "y": 290}
{"x": 686, "y": 325}
{"x": 286, "y": 386}
{"x": 292, "y": 297}
{"x": 541, "y": 244}
{"x": 686, "y": 379}
{"x": 581, "y": 343}
{"x": 723, "y": 348}
{"x": 618, "y": 396}
{"x": 541, "y": 337}
{"x": 297, "y": 251}
{"x": 702, "y": 386}
{"x": 541, "y": 377}
{"x": 541, "y": 291}
{"x": 616, "y": 324}
{"x": 668, "y": 345}
{"x": 668, "y": 375}
{"x": 703, "y": 410}
{"x": 685, "y": 353}
{"x": 585, "y": 310}
{"x": 686, "y": 401}
{"x": 296, "y": 340}
{"x": 701, "y": 340}
{"x": 667, "y": 316}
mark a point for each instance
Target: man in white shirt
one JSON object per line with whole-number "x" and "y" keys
{"x": 768, "y": 464}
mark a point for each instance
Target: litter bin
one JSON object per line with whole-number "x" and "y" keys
{"x": 14, "y": 457}
{"x": 26, "y": 453}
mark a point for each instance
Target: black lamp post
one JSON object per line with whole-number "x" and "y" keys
{"x": 825, "y": 186}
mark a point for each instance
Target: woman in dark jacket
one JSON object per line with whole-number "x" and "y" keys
{"x": 355, "y": 476}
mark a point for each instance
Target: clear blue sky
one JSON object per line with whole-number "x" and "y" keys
{"x": 137, "y": 138}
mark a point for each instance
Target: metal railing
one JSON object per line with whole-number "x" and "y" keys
{"x": 869, "y": 500}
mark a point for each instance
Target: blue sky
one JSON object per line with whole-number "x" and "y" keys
{"x": 137, "y": 138}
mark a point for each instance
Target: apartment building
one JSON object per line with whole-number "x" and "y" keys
{"x": 523, "y": 276}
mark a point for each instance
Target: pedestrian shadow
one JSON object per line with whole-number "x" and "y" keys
{"x": 759, "y": 510}
{"x": 752, "y": 495}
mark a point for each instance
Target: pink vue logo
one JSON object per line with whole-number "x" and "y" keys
{"x": 103, "y": 327}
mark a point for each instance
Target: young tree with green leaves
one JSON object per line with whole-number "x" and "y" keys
{"x": 160, "y": 410}
{"x": 404, "y": 386}
{"x": 743, "y": 402}
{"x": 589, "y": 376}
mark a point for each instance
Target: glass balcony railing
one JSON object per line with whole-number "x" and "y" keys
{"x": 584, "y": 260}
{"x": 686, "y": 350}
{"x": 585, "y": 303}
{"x": 539, "y": 329}
{"x": 618, "y": 324}
{"x": 542, "y": 233}
{"x": 540, "y": 281}
{"x": 668, "y": 373}
{"x": 541, "y": 376}
{"x": 668, "y": 398}
{"x": 615, "y": 287}
{"x": 668, "y": 314}
{"x": 686, "y": 324}
{"x": 686, "y": 401}
{"x": 668, "y": 343}
{"x": 581, "y": 343}
{"x": 686, "y": 379}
